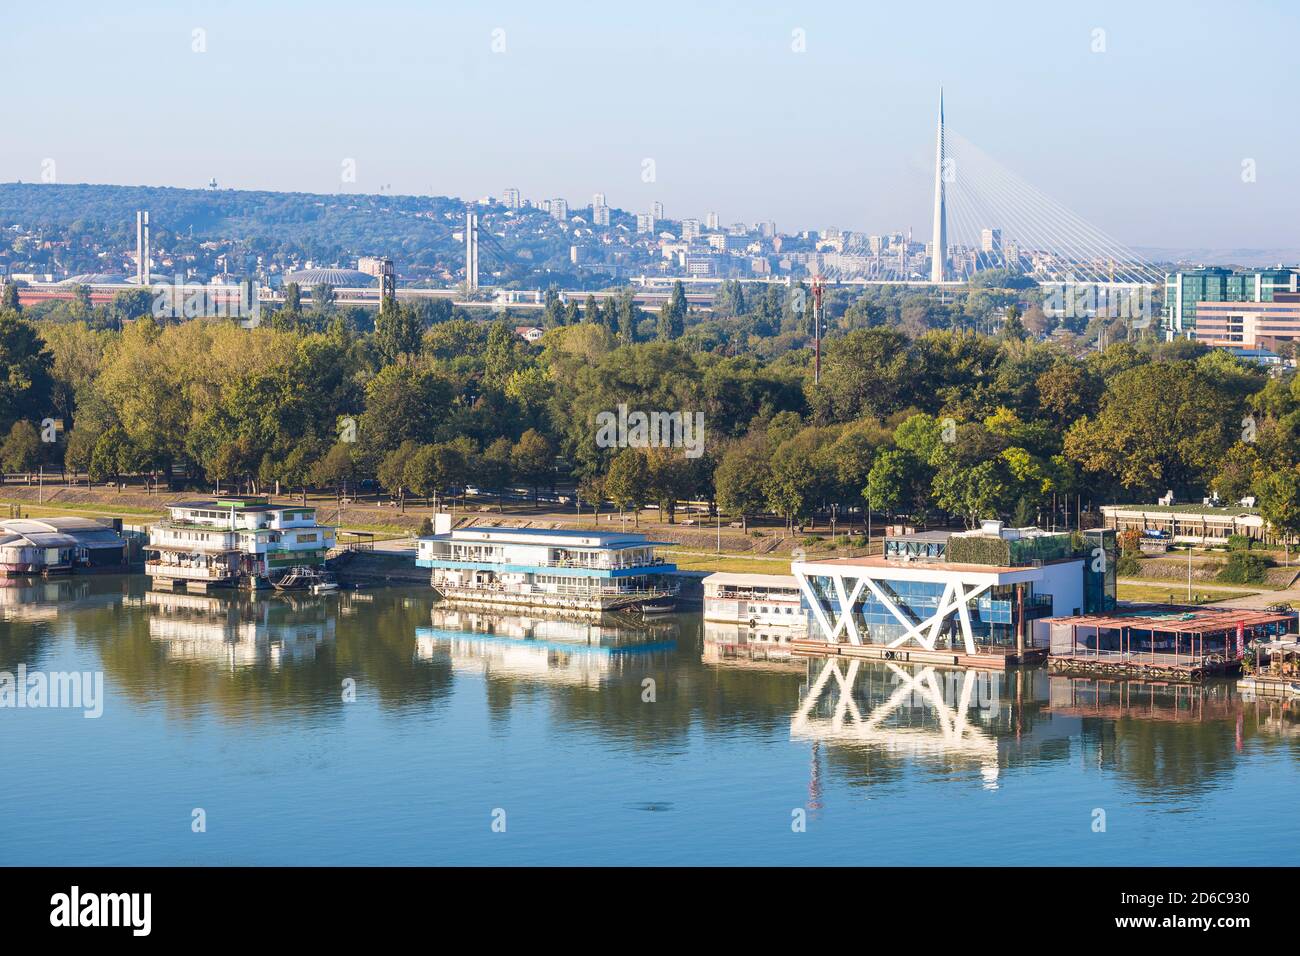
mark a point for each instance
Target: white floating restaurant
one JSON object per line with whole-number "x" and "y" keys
{"x": 537, "y": 567}
{"x": 748, "y": 614}
{"x": 234, "y": 541}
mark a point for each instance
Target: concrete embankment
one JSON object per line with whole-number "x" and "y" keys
{"x": 378, "y": 567}
{"x": 690, "y": 588}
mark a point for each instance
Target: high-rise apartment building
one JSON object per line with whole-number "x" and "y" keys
{"x": 991, "y": 241}
{"x": 1011, "y": 254}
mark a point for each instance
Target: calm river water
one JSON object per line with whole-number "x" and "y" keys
{"x": 376, "y": 727}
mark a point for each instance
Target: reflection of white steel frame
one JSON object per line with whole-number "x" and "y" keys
{"x": 954, "y": 733}
{"x": 851, "y": 577}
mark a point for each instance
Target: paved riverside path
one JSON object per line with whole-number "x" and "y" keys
{"x": 1174, "y": 585}
{"x": 1262, "y": 600}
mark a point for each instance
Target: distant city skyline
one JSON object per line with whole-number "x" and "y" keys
{"x": 810, "y": 118}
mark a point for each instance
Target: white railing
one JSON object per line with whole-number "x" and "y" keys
{"x": 161, "y": 569}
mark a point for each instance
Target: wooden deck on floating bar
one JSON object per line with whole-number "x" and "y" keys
{"x": 1163, "y": 667}
{"x": 982, "y": 660}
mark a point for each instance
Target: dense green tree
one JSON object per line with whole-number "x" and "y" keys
{"x": 628, "y": 317}
{"x": 397, "y": 332}
{"x": 494, "y": 467}
{"x": 672, "y": 314}
{"x": 26, "y": 385}
{"x": 322, "y": 297}
{"x": 335, "y": 468}
{"x": 867, "y": 372}
{"x": 1279, "y": 503}
{"x": 21, "y": 449}
{"x": 392, "y": 472}
{"x": 972, "y": 493}
{"x": 898, "y": 481}
{"x": 800, "y": 477}
{"x": 532, "y": 460}
{"x": 1160, "y": 425}
{"x": 670, "y": 478}
{"x": 740, "y": 481}
{"x": 402, "y": 404}
{"x": 628, "y": 482}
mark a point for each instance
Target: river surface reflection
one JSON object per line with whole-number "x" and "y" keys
{"x": 383, "y": 727}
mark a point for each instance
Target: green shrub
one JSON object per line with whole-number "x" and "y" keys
{"x": 1242, "y": 567}
{"x": 1128, "y": 566}
{"x": 979, "y": 550}
{"x": 1239, "y": 542}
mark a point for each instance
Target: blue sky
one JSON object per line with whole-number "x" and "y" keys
{"x": 1146, "y": 139}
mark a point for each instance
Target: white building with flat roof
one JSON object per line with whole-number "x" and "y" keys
{"x": 984, "y": 592}
{"x": 754, "y": 600}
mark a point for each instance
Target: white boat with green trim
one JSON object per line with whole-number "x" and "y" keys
{"x": 234, "y": 541}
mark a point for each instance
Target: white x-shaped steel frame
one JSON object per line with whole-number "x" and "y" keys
{"x": 956, "y": 597}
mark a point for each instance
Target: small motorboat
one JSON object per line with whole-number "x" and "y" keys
{"x": 306, "y": 579}
{"x": 661, "y": 605}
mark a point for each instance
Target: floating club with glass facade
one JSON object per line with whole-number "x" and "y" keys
{"x": 967, "y": 598}
{"x": 534, "y": 567}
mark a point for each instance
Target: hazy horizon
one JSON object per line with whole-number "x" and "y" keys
{"x": 565, "y": 103}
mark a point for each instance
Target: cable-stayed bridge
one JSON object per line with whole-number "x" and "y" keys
{"x": 988, "y": 217}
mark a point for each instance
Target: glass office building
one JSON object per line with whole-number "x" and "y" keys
{"x": 1185, "y": 290}
{"x": 982, "y": 590}
{"x": 994, "y": 616}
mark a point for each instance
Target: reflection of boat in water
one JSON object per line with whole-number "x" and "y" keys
{"x": 306, "y": 578}
{"x": 44, "y": 599}
{"x": 1252, "y": 687}
{"x": 734, "y": 644}
{"x": 567, "y": 649}
{"x": 236, "y": 631}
